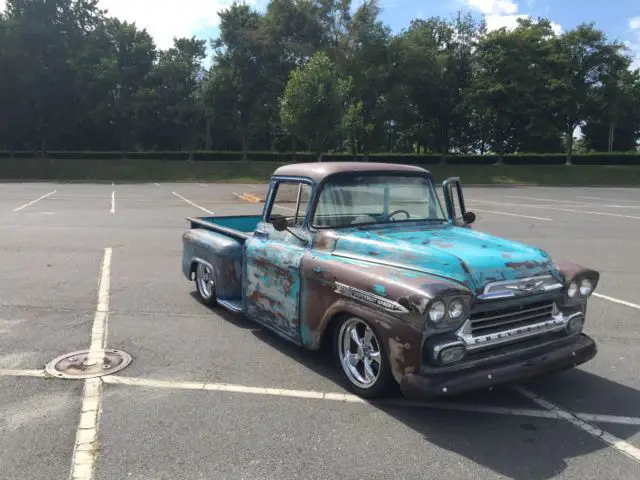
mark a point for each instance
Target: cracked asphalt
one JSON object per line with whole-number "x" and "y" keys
{"x": 51, "y": 251}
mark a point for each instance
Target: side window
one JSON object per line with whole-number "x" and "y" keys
{"x": 290, "y": 200}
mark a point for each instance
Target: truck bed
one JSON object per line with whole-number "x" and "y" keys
{"x": 238, "y": 226}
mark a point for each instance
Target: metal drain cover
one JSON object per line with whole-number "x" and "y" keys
{"x": 77, "y": 364}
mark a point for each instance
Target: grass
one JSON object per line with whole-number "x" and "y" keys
{"x": 167, "y": 171}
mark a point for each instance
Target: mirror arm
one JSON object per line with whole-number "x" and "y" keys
{"x": 302, "y": 239}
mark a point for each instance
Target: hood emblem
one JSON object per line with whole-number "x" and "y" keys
{"x": 523, "y": 286}
{"x": 527, "y": 286}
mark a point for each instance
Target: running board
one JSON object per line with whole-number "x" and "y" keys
{"x": 234, "y": 306}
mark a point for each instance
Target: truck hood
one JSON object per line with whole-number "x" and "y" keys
{"x": 467, "y": 256}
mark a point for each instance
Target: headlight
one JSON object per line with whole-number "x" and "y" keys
{"x": 585, "y": 287}
{"x": 437, "y": 311}
{"x": 573, "y": 290}
{"x": 456, "y": 309}
{"x": 445, "y": 313}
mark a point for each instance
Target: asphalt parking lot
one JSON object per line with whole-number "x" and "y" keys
{"x": 212, "y": 395}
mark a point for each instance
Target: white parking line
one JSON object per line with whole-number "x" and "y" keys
{"x": 191, "y": 203}
{"x": 616, "y": 300}
{"x": 349, "y": 398}
{"x": 610, "y": 199}
{"x": 544, "y": 205}
{"x": 157, "y": 184}
{"x": 86, "y": 444}
{"x": 6, "y": 372}
{"x": 285, "y": 208}
{"x": 611, "y": 440}
{"x": 543, "y": 199}
{"x": 34, "y": 201}
{"x": 513, "y": 214}
{"x": 113, "y": 202}
{"x": 547, "y": 207}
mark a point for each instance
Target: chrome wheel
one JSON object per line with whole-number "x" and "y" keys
{"x": 359, "y": 352}
{"x": 205, "y": 281}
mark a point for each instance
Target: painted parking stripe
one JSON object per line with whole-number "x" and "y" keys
{"x": 546, "y": 207}
{"x": 513, "y": 214}
{"x": 537, "y": 199}
{"x": 85, "y": 448}
{"x": 191, "y": 203}
{"x": 616, "y": 300}
{"x": 8, "y": 372}
{"x": 610, "y": 199}
{"x": 34, "y": 201}
{"x": 349, "y": 398}
{"x": 611, "y": 440}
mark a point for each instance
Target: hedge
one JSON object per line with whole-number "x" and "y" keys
{"x": 624, "y": 158}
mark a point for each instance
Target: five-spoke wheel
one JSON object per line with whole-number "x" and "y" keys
{"x": 362, "y": 358}
{"x": 205, "y": 284}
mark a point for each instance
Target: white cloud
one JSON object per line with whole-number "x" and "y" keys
{"x": 634, "y": 45}
{"x": 503, "y": 13}
{"x": 494, "y": 7}
{"x": 166, "y": 19}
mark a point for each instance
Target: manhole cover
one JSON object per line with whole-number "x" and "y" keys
{"x": 78, "y": 364}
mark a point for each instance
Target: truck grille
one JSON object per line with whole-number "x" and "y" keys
{"x": 494, "y": 321}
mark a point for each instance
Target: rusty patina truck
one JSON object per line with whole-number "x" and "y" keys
{"x": 364, "y": 256}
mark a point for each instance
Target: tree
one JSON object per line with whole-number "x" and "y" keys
{"x": 436, "y": 64}
{"x": 314, "y": 102}
{"x": 239, "y": 51}
{"x": 585, "y": 59}
{"x": 367, "y": 56}
{"x": 615, "y": 127}
{"x": 75, "y": 77}
{"x": 513, "y": 87}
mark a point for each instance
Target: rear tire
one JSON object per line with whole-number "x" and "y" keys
{"x": 205, "y": 284}
{"x": 362, "y": 358}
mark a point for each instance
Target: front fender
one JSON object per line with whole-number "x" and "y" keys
{"x": 401, "y": 341}
{"x": 573, "y": 272}
{"x": 394, "y": 301}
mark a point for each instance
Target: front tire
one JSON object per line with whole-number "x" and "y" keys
{"x": 362, "y": 358}
{"x": 205, "y": 284}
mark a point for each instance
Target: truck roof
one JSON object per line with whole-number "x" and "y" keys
{"x": 318, "y": 171}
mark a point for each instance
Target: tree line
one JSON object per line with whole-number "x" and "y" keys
{"x": 313, "y": 75}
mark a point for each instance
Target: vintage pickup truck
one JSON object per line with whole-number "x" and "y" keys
{"x": 363, "y": 255}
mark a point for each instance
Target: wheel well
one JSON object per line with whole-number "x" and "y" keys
{"x": 192, "y": 268}
{"x": 328, "y": 331}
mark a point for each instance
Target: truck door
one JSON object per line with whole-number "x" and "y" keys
{"x": 273, "y": 258}
{"x": 454, "y": 202}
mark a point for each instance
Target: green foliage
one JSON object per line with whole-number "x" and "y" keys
{"x": 314, "y": 102}
{"x": 323, "y": 76}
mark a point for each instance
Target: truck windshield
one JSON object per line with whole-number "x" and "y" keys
{"x": 369, "y": 199}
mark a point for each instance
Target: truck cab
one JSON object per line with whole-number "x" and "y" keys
{"x": 365, "y": 257}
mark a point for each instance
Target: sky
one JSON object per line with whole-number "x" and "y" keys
{"x": 620, "y": 19}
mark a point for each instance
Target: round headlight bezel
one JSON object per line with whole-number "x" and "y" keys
{"x": 459, "y": 312}
{"x": 585, "y": 292}
{"x": 573, "y": 287}
{"x": 439, "y": 312}
{"x": 439, "y": 308}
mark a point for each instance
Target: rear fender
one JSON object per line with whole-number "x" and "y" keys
{"x": 222, "y": 253}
